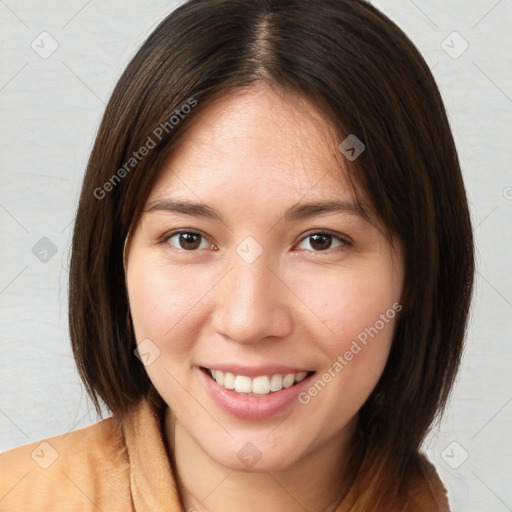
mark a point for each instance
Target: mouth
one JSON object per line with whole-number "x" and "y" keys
{"x": 259, "y": 386}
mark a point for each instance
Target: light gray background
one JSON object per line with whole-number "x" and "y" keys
{"x": 50, "y": 110}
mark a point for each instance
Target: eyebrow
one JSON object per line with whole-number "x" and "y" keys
{"x": 297, "y": 212}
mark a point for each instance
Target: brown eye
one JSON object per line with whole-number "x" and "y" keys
{"x": 187, "y": 241}
{"x": 321, "y": 242}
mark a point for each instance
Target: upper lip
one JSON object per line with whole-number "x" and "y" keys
{"x": 256, "y": 371}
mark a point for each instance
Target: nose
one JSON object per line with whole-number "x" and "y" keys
{"x": 253, "y": 302}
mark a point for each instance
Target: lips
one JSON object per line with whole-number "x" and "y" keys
{"x": 249, "y": 405}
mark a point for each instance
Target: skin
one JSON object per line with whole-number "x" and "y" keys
{"x": 251, "y": 156}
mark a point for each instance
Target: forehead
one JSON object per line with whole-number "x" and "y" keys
{"x": 256, "y": 140}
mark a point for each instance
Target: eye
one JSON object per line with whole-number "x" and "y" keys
{"x": 188, "y": 241}
{"x": 191, "y": 241}
{"x": 323, "y": 241}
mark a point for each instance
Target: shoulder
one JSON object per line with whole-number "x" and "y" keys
{"x": 426, "y": 492}
{"x": 77, "y": 470}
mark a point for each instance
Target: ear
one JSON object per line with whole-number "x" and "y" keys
{"x": 124, "y": 253}
{"x": 126, "y": 240}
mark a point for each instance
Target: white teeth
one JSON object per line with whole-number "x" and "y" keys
{"x": 243, "y": 384}
{"x": 229, "y": 380}
{"x": 261, "y": 385}
{"x": 276, "y": 382}
{"x": 218, "y": 376}
{"x": 300, "y": 376}
{"x": 288, "y": 380}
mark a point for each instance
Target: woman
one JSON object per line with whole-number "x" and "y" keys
{"x": 271, "y": 271}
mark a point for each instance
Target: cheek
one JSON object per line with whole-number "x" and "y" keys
{"x": 162, "y": 307}
{"x": 361, "y": 313}
{"x": 358, "y": 310}
{"x": 160, "y": 301}
{"x": 354, "y": 303}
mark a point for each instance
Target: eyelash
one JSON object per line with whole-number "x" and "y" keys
{"x": 345, "y": 242}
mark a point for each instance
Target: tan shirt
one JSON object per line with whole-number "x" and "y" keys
{"x": 108, "y": 467}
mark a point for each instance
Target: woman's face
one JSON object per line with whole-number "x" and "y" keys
{"x": 232, "y": 269}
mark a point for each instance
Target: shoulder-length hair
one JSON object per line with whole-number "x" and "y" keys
{"x": 366, "y": 78}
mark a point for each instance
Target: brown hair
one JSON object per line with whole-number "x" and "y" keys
{"x": 367, "y": 78}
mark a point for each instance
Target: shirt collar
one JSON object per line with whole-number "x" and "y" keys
{"x": 152, "y": 482}
{"x": 153, "y": 485}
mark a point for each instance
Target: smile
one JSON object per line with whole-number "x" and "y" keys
{"x": 252, "y": 393}
{"x": 258, "y": 386}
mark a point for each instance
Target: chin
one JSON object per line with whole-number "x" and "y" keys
{"x": 252, "y": 456}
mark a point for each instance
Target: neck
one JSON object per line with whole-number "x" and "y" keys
{"x": 318, "y": 482}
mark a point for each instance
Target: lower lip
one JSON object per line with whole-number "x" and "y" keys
{"x": 253, "y": 407}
